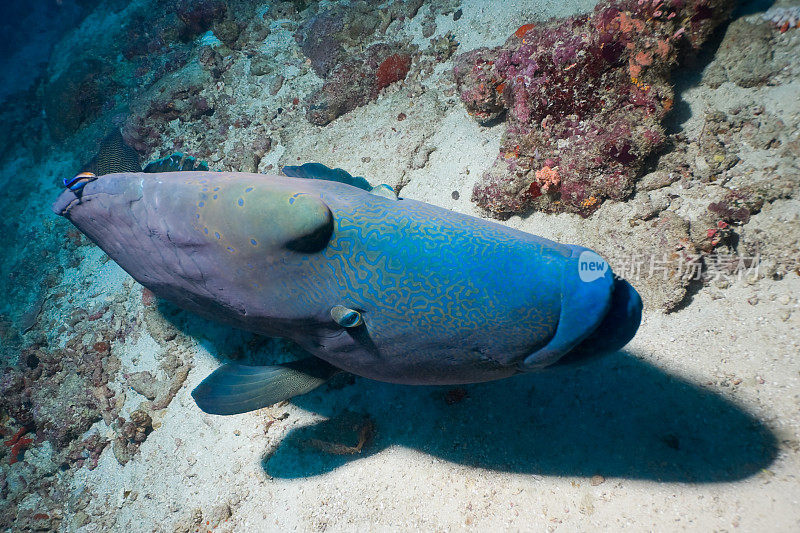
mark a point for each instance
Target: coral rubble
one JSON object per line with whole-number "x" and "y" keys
{"x": 583, "y": 96}
{"x": 357, "y": 82}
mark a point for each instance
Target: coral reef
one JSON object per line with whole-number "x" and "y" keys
{"x": 333, "y": 41}
{"x": 654, "y": 248}
{"x": 317, "y": 38}
{"x": 335, "y": 35}
{"x": 55, "y": 401}
{"x": 176, "y": 96}
{"x": 149, "y": 40}
{"x": 198, "y": 17}
{"x": 77, "y": 96}
{"x": 722, "y": 179}
{"x": 584, "y": 95}
{"x": 60, "y": 394}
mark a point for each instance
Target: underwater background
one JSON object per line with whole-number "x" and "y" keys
{"x": 661, "y": 133}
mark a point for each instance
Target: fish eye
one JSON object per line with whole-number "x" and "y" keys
{"x": 345, "y": 317}
{"x": 351, "y": 319}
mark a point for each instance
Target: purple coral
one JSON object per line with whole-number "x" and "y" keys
{"x": 583, "y": 95}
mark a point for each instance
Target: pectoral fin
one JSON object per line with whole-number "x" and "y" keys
{"x": 346, "y": 317}
{"x": 233, "y": 389}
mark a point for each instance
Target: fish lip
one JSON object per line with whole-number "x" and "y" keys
{"x": 64, "y": 202}
{"x": 69, "y": 199}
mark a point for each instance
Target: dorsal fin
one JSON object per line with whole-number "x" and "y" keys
{"x": 177, "y": 162}
{"x": 318, "y": 171}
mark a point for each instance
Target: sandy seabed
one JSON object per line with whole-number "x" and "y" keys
{"x": 694, "y": 426}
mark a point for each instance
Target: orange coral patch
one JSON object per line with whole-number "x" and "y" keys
{"x": 522, "y": 30}
{"x": 590, "y": 202}
{"x": 548, "y": 178}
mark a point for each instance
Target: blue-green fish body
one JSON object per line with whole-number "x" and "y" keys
{"x": 391, "y": 289}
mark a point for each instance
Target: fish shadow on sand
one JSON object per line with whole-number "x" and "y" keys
{"x": 618, "y": 416}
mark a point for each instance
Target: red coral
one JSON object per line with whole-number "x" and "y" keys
{"x": 394, "y": 68}
{"x": 17, "y": 444}
{"x": 101, "y": 347}
{"x": 522, "y": 30}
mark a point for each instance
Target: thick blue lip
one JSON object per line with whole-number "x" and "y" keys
{"x": 617, "y": 329}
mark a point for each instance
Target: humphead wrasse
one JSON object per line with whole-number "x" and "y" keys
{"x": 387, "y": 288}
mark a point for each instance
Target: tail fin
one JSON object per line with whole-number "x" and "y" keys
{"x": 233, "y": 389}
{"x": 114, "y": 156}
{"x": 618, "y": 327}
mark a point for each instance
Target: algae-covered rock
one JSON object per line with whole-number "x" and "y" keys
{"x": 583, "y": 97}
{"x": 745, "y": 56}
{"x": 65, "y": 413}
{"x": 356, "y": 82}
{"x": 654, "y": 251}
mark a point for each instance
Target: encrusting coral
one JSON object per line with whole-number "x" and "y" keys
{"x": 583, "y": 98}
